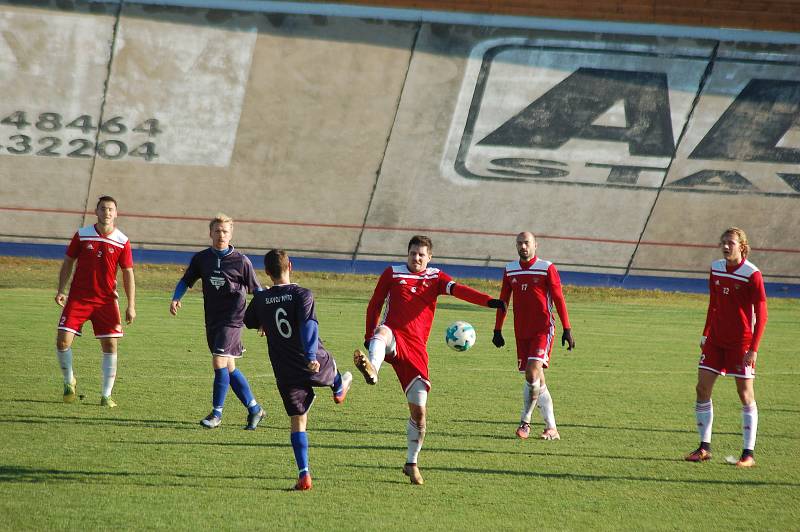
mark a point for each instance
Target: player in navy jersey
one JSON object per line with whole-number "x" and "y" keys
{"x": 536, "y": 287}
{"x": 408, "y": 295}
{"x": 286, "y": 314}
{"x": 227, "y": 277}
{"x": 735, "y": 322}
{"x": 98, "y": 250}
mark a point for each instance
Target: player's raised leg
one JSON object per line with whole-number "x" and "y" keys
{"x": 341, "y": 385}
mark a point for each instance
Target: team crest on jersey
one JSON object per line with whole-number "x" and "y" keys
{"x": 402, "y": 281}
{"x": 217, "y": 282}
{"x": 514, "y": 280}
{"x": 716, "y": 282}
{"x": 90, "y": 246}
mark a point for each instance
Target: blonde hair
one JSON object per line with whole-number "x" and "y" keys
{"x": 220, "y": 218}
{"x": 741, "y": 236}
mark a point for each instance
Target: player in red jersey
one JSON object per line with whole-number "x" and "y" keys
{"x": 408, "y": 296}
{"x": 98, "y": 250}
{"x": 735, "y": 322}
{"x": 536, "y": 287}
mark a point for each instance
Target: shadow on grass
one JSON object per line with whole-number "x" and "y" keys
{"x": 597, "y": 478}
{"x": 37, "y": 475}
{"x": 101, "y": 421}
{"x": 600, "y": 427}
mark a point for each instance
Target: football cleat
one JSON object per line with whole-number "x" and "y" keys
{"x": 366, "y": 368}
{"x": 550, "y": 434}
{"x": 347, "y": 381}
{"x": 746, "y": 461}
{"x": 413, "y": 474}
{"x": 253, "y": 419}
{"x": 303, "y": 482}
{"x": 211, "y": 421}
{"x": 524, "y": 430}
{"x": 108, "y": 401}
{"x": 71, "y": 391}
{"x": 698, "y": 455}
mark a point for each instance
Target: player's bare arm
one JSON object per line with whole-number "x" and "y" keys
{"x": 63, "y": 279}
{"x": 129, "y": 284}
{"x": 750, "y": 358}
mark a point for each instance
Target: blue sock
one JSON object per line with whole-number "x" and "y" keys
{"x": 337, "y": 383}
{"x": 221, "y": 383}
{"x": 300, "y": 446}
{"x": 242, "y": 390}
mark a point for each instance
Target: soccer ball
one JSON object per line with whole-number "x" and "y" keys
{"x": 460, "y": 336}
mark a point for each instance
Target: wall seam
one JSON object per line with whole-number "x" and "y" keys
{"x": 378, "y": 171}
{"x": 700, "y": 86}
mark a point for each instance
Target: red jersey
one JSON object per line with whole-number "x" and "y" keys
{"x": 737, "y": 307}
{"x": 97, "y": 259}
{"x": 410, "y": 301}
{"x": 536, "y": 287}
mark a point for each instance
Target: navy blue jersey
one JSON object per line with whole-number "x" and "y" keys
{"x": 281, "y": 311}
{"x": 226, "y": 282}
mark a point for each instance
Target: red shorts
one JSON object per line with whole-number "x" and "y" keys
{"x": 409, "y": 360}
{"x": 537, "y": 348}
{"x": 726, "y": 360}
{"x": 104, "y": 316}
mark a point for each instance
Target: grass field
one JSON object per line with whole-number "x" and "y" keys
{"x": 624, "y": 403}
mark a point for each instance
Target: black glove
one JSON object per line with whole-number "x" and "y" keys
{"x": 497, "y": 339}
{"x": 497, "y": 303}
{"x": 567, "y": 338}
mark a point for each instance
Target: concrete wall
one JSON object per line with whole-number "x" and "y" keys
{"x": 341, "y": 137}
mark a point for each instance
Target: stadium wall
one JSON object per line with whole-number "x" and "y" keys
{"x": 626, "y": 149}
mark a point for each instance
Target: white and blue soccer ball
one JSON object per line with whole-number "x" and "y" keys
{"x": 460, "y": 336}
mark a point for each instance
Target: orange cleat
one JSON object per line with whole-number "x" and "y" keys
{"x": 524, "y": 430}
{"x": 746, "y": 461}
{"x": 698, "y": 455}
{"x": 303, "y": 483}
{"x": 347, "y": 380}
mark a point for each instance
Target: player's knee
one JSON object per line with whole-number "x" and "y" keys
{"x": 383, "y": 333}
{"x": 62, "y": 345}
{"x": 703, "y": 391}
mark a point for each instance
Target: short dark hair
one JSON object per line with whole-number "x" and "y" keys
{"x": 101, "y": 199}
{"x": 276, "y": 261}
{"x": 421, "y": 240}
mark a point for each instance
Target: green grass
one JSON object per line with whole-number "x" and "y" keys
{"x": 624, "y": 403}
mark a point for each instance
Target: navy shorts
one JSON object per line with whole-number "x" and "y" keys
{"x": 298, "y": 396}
{"x": 225, "y": 341}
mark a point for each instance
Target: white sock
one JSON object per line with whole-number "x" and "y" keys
{"x": 530, "y": 394}
{"x": 377, "y": 352}
{"x": 109, "y": 373}
{"x": 415, "y": 437}
{"x": 749, "y": 425}
{"x": 546, "y": 408}
{"x": 65, "y": 361}
{"x": 704, "y": 413}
